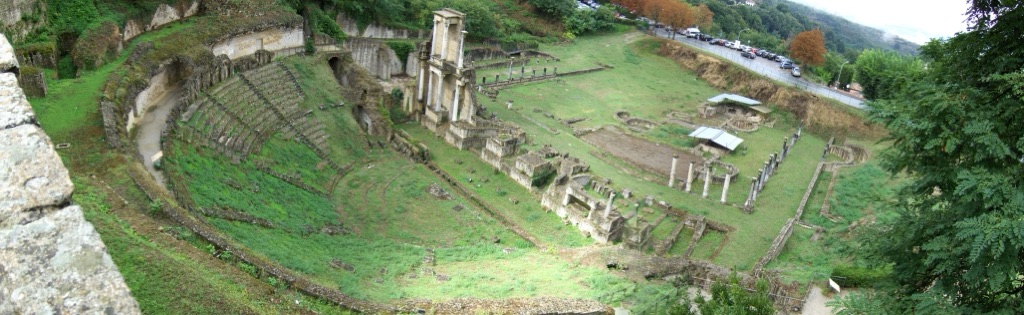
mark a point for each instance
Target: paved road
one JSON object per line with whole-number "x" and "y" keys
{"x": 767, "y": 68}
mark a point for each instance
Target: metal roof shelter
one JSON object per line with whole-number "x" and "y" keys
{"x": 751, "y": 103}
{"x": 718, "y": 137}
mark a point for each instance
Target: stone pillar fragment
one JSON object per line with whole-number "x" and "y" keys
{"x": 608, "y": 207}
{"x": 689, "y": 177}
{"x": 707, "y": 181}
{"x": 672, "y": 172}
{"x": 725, "y": 188}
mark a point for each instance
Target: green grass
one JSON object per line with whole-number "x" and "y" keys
{"x": 392, "y": 219}
{"x": 649, "y": 86}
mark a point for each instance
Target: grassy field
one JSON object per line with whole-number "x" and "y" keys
{"x": 390, "y": 219}
{"x": 649, "y": 87}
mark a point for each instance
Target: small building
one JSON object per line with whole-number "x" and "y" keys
{"x": 717, "y": 138}
{"x": 739, "y": 105}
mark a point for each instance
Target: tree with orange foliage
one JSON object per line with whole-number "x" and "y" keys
{"x": 703, "y": 16}
{"x": 678, "y": 15}
{"x": 808, "y": 47}
{"x": 655, "y": 9}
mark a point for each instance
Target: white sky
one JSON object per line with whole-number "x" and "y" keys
{"x": 913, "y": 20}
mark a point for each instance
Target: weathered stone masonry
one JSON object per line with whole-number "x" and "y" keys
{"x": 51, "y": 259}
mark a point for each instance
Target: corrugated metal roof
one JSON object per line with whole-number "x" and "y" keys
{"x": 717, "y": 136}
{"x": 735, "y": 98}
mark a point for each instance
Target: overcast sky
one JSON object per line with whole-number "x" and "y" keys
{"x": 913, "y": 20}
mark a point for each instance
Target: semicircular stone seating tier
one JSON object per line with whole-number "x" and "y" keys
{"x": 237, "y": 116}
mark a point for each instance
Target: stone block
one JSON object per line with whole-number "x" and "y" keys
{"x": 58, "y": 265}
{"x": 8, "y": 61}
{"x": 14, "y": 108}
{"x": 32, "y": 176}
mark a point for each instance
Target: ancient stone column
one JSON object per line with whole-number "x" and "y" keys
{"x": 750, "y": 196}
{"x": 462, "y": 38}
{"x": 455, "y": 102}
{"x": 725, "y": 189}
{"x": 762, "y": 176}
{"x": 785, "y": 147}
{"x": 689, "y": 177}
{"x": 444, "y": 40}
{"x": 707, "y": 181}
{"x": 757, "y": 187}
{"x": 608, "y": 207}
{"x": 672, "y": 172}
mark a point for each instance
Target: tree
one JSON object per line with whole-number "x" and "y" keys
{"x": 885, "y": 73}
{"x": 956, "y": 241}
{"x": 703, "y": 17}
{"x": 729, "y": 298}
{"x": 559, "y": 9}
{"x": 808, "y": 47}
{"x": 679, "y": 15}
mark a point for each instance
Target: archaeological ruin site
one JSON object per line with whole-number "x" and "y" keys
{"x": 235, "y": 158}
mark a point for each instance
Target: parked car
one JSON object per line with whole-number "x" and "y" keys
{"x": 779, "y": 58}
{"x": 795, "y": 72}
{"x": 747, "y": 54}
{"x": 786, "y": 65}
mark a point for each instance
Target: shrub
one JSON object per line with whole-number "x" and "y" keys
{"x": 855, "y": 276}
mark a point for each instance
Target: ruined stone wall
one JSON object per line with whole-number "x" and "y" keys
{"x": 163, "y": 15}
{"x": 351, "y": 28}
{"x": 53, "y": 260}
{"x": 376, "y": 57}
{"x": 270, "y": 39}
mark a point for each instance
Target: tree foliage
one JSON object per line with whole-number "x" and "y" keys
{"x": 884, "y": 74}
{"x": 584, "y": 21}
{"x": 808, "y": 47}
{"x": 731, "y": 298}
{"x": 558, "y": 9}
{"x": 957, "y": 242}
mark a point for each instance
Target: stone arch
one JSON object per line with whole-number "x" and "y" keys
{"x": 337, "y": 64}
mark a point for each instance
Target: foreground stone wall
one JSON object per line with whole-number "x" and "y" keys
{"x": 51, "y": 259}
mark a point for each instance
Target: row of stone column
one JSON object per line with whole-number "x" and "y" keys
{"x": 708, "y": 170}
{"x": 770, "y": 166}
{"x": 522, "y": 74}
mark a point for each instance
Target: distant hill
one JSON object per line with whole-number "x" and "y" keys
{"x": 778, "y": 20}
{"x": 842, "y": 32}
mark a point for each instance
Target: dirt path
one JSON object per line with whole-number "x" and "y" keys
{"x": 151, "y": 127}
{"x": 815, "y": 304}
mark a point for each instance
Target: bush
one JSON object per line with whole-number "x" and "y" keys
{"x": 66, "y": 68}
{"x": 854, "y": 276}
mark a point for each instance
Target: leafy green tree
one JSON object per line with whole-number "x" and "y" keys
{"x": 884, "y": 73}
{"x": 558, "y": 9}
{"x": 956, "y": 243}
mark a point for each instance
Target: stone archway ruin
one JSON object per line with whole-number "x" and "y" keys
{"x": 338, "y": 69}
